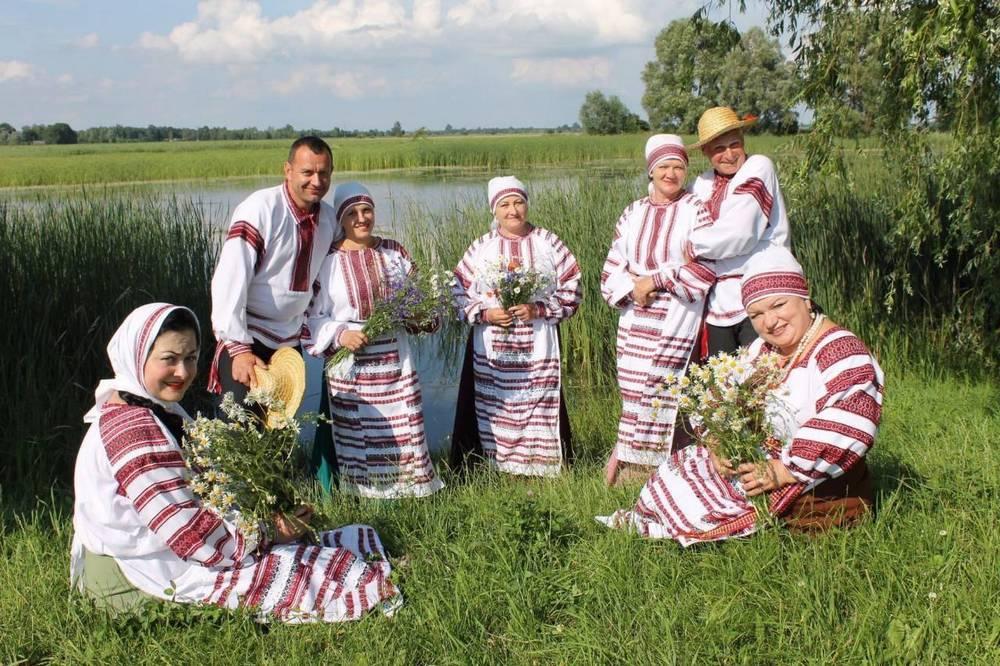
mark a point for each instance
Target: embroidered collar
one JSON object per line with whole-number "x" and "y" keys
{"x": 301, "y": 216}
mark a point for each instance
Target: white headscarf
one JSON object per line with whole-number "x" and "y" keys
{"x": 128, "y": 350}
{"x": 349, "y": 195}
{"x": 500, "y": 188}
{"x": 663, "y": 147}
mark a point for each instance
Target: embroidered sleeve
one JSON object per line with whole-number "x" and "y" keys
{"x": 321, "y": 331}
{"x": 149, "y": 469}
{"x": 847, "y": 415}
{"x": 689, "y": 283}
{"x": 743, "y": 216}
{"x": 240, "y": 258}
{"x": 470, "y": 302}
{"x": 565, "y": 298}
{"x": 616, "y": 280}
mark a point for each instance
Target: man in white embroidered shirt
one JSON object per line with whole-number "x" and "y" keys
{"x": 748, "y": 213}
{"x": 277, "y": 240}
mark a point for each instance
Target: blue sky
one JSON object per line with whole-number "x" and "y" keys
{"x": 354, "y": 64}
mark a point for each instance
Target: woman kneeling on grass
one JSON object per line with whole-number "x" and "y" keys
{"x": 375, "y": 404}
{"x": 141, "y": 533}
{"x": 824, "y": 417}
{"x": 510, "y": 408}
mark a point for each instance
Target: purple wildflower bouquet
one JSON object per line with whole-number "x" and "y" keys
{"x": 416, "y": 301}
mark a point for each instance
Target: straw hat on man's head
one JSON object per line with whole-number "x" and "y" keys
{"x": 285, "y": 380}
{"x": 717, "y": 121}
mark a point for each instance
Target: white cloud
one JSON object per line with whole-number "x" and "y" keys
{"x": 600, "y": 21}
{"x": 64, "y": 79}
{"x": 327, "y": 79}
{"x": 237, "y": 31}
{"x": 12, "y": 70}
{"x": 563, "y": 72}
{"x": 88, "y": 41}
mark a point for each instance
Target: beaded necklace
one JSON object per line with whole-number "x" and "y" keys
{"x": 794, "y": 358}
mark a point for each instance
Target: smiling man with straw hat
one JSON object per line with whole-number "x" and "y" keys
{"x": 745, "y": 203}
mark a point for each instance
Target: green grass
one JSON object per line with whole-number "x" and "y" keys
{"x": 502, "y": 570}
{"x": 25, "y": 166}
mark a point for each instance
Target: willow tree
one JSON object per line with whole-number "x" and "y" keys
{"x": 938, "y": 64}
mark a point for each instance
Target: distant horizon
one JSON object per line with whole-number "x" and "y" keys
{"x": 335, "y": 63}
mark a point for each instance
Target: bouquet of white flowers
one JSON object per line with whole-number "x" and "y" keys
{"x": 244, "y": 471}
{"x": 725, "y": 402}
{"x": 511, "y": 283}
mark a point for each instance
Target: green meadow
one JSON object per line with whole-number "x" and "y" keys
{"x": 495, "y": 569}
{"x": 28, "y": 166}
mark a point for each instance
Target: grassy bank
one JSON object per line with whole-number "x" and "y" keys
{"x": 25, "y": 166}
{"x": 506, "y": 571}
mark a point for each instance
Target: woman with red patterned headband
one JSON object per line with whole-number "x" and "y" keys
{"x": 659, "y": 292}
{"x": 376, "y": 408}
{"x": 823, "y": 419}
{"x": 510, "y": 410}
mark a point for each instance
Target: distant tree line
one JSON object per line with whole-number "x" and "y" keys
{"x": 61, "y": 133}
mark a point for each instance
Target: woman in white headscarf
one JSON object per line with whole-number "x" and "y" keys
{"x": 824, "y": 419}
{"x": 140, "y": 533}
{"x": 376, "y": 406}
{"x": 510, "y": 409}
{"x": 651, "y": 279}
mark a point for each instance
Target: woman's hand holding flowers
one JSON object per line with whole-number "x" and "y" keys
{"x": 498, "y": 317}
{"x": 291, "y": 528}
{"x": 763, "y": 478}
{"x": 353, "y": 340}
{"x": 524, "y": 312}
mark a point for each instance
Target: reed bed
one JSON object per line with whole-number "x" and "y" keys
{"x": 73, "y": 270}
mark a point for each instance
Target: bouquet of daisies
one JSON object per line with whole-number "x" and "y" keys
{"x": 417, "y": 301}
{"x": 242, "y": 470}
{"x": 511, "y": 283}
{"x": 725, "y": 402}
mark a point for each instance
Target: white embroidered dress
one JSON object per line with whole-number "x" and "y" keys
{"x": 377, "y": 409}
{"x": 517, "y": 369}
{"x": 826, "y": 422}
{"x": 749, "y": 215}
{"x": 133, "y": 503}
{"x": 655, "y": 340}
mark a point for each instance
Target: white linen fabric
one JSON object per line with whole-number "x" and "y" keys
{"x": 263, "y": 280}
{"x": 133, "y": 503}
{"x": 376, "y": 408}
{"x": 518, "y": 369}
{"x": 826, "y": 421}
{"x": 749, "y": 215}
{"x": 657, "y": 339}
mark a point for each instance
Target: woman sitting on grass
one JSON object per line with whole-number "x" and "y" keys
{"x": 510, "y": 407}
{"x": 823, "y": 418}
{"x": 650, "y": 279}
{"x": 375, "y": 406}
{"x": 140, "y": 533}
